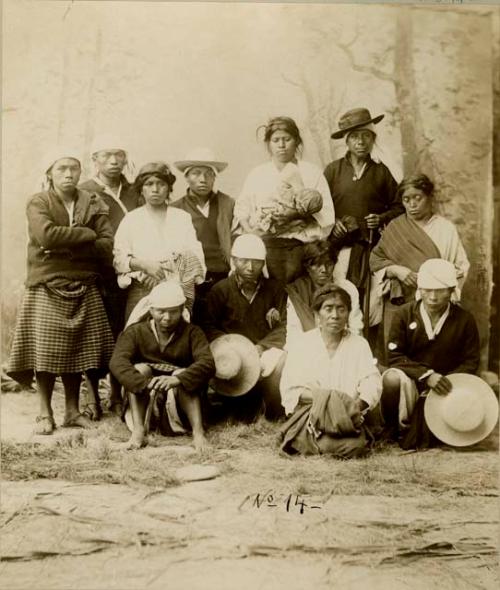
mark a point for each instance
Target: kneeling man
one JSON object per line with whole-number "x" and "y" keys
{"x": 164, "y": 354}
{"x": 428, "y": 339}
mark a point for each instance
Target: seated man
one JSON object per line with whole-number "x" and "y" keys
{"x": 212, "y": 215}
{"x": 249, "y": 304}
{"x": 329, "y": 383}
{"x": 164, "y": 354}
{"x": 318, "y": 263}
{"x": 428, "y": 339}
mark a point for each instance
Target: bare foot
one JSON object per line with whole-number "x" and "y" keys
{"x": 93, "y": 411}
{"x": 137, "y": 441}
{"x": 116, "y": 407}
{"x": 78, "y": 421}
{"x": 44, "y": 425}
{"x": 200, "y": 442}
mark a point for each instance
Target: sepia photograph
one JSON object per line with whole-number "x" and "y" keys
{"x": 250, "y": 322}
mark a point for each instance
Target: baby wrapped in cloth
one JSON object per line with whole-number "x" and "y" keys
{"x": 289, "y": 196}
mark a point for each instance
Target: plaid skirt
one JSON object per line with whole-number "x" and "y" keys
{"x": 59, "y": 334}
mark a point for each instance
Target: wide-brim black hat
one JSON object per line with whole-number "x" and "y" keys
{"x": 353, "y": 119}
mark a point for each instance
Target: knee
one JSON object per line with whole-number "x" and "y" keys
{"x": 144, "y": 369}
{"x": 391, "y": 382}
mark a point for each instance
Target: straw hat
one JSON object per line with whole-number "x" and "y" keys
{"x": 200, "y": 157}
{"x": 466, "y": 415}
{"x": 237, "y": 365}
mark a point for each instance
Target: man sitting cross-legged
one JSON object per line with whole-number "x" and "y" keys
{"x": 163, "y": 354}
{"x": 428, "y": 340}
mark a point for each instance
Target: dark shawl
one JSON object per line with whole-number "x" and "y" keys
{"x": 300, "y": 293}
{"x": 331, "y": 412}
{"x": 404, "y": 243}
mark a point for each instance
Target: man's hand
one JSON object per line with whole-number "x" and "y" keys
{"x": 439, "y": 383}
{"x": 163, "y": 382}
{"x": 339, "y": 229}
{"x": 372, "y": 221}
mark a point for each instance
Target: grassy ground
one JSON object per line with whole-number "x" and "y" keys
{"x": 421, "y": 521}
{"x": 97, "y": 456}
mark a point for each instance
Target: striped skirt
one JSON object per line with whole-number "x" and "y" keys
{"x": 59, "y": 334}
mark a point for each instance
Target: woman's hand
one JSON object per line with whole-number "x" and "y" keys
{"x": 149, "y": 282}
{"x": 152, "y": 268}
{"x": 163, "y": 382}
{"x": 404, "y": 275}
{"x": 284, "y": 214}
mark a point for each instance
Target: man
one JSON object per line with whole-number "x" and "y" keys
{"x": 212, "y": 215}
{"x": 110, "y": 184}
{"x": 254, "y": 306}
{"x": 164, "y": 355}
{"x": 428, "y": 339}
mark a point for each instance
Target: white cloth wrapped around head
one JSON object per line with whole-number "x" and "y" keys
{"x": 166, "y": 294}
{"x": 249, "y": 246}
{"x": 437, "y": 273}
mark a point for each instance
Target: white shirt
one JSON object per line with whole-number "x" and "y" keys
{"x": 142, "y": 235}
{"x": 260, "y": 188}
{"x": 351, "y": 370}
{"x": 108, "y": 191}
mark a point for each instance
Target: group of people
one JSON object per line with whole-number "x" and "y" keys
{"x": 326, "y": 300}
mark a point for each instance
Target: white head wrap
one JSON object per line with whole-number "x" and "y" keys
{"x": 166, "y": 294}
{"x": 437, "y": 273}
{"x": 249, "y": 246}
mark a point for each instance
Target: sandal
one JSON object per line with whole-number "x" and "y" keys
{"x": 78, "y": 421}
{"x": 45, "y": 425}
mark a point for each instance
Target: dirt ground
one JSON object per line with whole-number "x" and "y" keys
{"x": 394, "y": 520}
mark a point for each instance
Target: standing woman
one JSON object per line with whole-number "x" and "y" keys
{"x": 408, "y": 241}
{"x": 156, "y": 241}
{"x": 62, "y": 329}
{"x": 364, "y": 196}
{"x": 285, "y": 201}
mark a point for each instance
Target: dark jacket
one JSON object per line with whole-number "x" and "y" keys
{"x": 224, "y": 219}
{"x": 454, "y": 350}
{"x": 229, "y": 312}
{"x": 130, "y": 199}
{"x": 56, "y": 249}
{"x": 374, "y": 192}
{"x": 188, "y": 349}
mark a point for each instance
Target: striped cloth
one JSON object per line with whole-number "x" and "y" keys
{"x": 60, "y": 332}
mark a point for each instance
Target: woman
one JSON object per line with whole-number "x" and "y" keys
{"x": 156, "y": 241}
{"x": 62, "y": 328}
{"x": 286, "y": 201}
{"x": 319, "y": 263}
{"x": 329, "y": 382}
{"x": 364, "y": 196}
{"x": 408, "y": 241}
